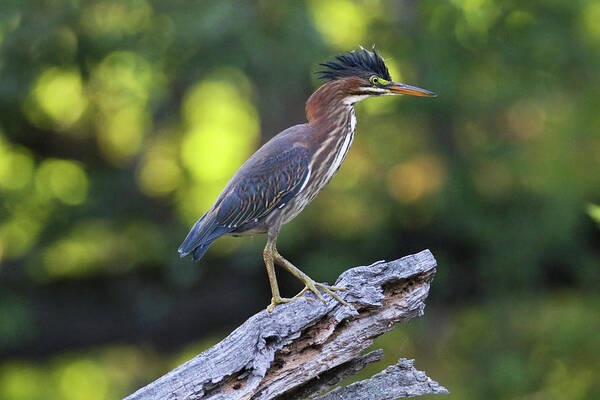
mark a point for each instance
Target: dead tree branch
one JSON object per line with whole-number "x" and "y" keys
{"x": 306, "y": 347}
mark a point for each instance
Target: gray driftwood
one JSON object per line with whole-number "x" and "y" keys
{"x": 306, "y": 347}
{"x": 394, "y": 382}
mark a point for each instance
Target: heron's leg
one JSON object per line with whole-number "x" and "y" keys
{"x": 269, "y": 255}
{"x": 310, "y": 283}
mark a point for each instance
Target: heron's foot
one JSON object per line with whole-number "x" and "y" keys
{"x": 279, "y": 300}
{"x": 315, "y": 287}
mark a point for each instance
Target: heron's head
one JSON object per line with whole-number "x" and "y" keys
{"x": 364, "y": 74}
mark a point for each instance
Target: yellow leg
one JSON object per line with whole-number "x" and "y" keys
{"x": 271, "y": 255}
{"x": 268, "y": 257}
{"x": 310, "y": 283}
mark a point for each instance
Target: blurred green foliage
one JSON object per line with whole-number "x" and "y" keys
{"x": 531, "y": 349}
{"x": 120, "y": 122}
{"x": 536, "y": 349}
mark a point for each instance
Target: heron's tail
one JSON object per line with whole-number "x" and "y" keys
{"x": 204, "y": 232}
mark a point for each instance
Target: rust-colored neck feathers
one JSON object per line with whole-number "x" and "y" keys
{"x": 329, "y": 98}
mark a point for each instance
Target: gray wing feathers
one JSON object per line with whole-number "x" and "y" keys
{"x": 259, "y": 186}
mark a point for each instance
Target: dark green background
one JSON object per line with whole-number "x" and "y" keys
{"x": 120, "y": 121}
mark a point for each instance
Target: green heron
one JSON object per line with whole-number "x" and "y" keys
{"x": 286, "y": 173}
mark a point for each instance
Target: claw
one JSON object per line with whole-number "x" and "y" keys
{"x": 330, "y": 290}
{"x": 309, "y": 283}
{"x": 301, "y": 293}
{"x": 315, "y": 286}
{"x": 278, "y": 300}
{"x": 281, "y": 300}
{"x": 337, "y": 288}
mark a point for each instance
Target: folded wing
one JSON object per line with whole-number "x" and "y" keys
{"x": 260, "y": 186}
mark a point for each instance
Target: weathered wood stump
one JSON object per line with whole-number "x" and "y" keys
{"x": 306, "y": 347}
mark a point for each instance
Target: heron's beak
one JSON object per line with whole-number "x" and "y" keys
{"x": 401, "y": 88}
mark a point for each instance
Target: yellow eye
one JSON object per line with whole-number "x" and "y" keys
{"x": 377, "y": 81}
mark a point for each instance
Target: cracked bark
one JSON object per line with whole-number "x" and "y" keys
{"x": 306, "y": 347}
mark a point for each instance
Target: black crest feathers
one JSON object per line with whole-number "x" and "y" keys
{"x": 362, "y": 62}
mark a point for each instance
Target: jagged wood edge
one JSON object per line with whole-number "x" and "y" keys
{"x": 394, "y": 382}
{"x": 271, "y": 354}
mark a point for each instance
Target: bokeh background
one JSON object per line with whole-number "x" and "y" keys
{"x": 121, "y": 120}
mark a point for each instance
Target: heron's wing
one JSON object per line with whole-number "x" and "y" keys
{"x": 262, "y": 185}
{"x": 270, "y": 178}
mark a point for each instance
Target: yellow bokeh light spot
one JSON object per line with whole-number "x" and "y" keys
{"x": 120, "y": 134}
{"x": 122, "y": 85}
{"x": 480, "y": 14}
{"x": 19, "y": 381}
{"x": 83, "y": 380}
{"x": 411, "y": 180}
{"x": 97, "y": 245}
{"x": 18, "y": 234}
{"x": 123, "y": 79}
{"x": 64, "y": 180}
{"x": 593, "y": 211}
{"x": 158, "y": 175}
{"x": 219, "y": 103}
{"x": 214, "y": 154}
{"x": 16, "y": 166}
{"x": 590, "y": 15}
{"x": 59, "y": 94}
{"x": 70, "y": 257}
{"x": 85, "y": 249}
{"x": 117, "y": 17}
{"x": 222, "y": 131}
{"x": 342, "y": 23}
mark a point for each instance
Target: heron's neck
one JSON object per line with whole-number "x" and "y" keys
{"x": 330, "y": 113}
{"x": 328, "y": 103}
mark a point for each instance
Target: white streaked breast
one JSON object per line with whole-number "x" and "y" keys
{"x": 305, "y": 180}
{"x": 341, "y": 155}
